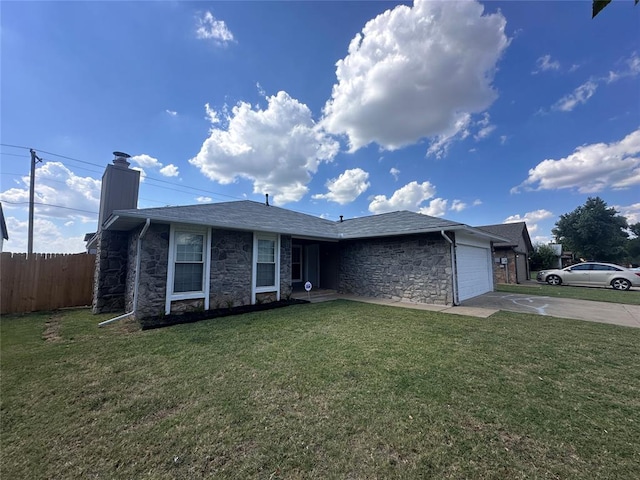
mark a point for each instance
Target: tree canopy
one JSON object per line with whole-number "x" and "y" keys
{"x": 593, "y": 231}
{"x": 543, "y": 257}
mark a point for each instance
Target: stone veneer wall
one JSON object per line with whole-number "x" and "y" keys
{"x": 231, "y": 257}
{"x": 111, "y": 272}
{"x": 154, "y": 258}
{"x": 285, "y": 266}
{"x": 414, "y": 268}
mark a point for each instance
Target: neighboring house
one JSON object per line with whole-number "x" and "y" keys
{"x": 90, "y": 243}
{"x": 564, "y": 258}
{"x": 4, "y": 233}
{"x": 511, "y": 258}
{"x": 157, "y": 261}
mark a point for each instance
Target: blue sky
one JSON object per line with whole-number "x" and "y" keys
{"x": 478, "y": 112}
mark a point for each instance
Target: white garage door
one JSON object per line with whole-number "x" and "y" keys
{"x": 474, "y": 271}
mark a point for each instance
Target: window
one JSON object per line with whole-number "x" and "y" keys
{"x": 189, "y": 262}
{"x": 266, "y": 263}
{"x": 608, "y": 268}
{"x": 581, "y": 267}
{"x": 296, "y": 263}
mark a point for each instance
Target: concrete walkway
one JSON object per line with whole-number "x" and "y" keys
{"x": 328, "y": 295}
{"x": 486, "y": 305}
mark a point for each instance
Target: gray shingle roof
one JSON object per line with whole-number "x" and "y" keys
{"x": 254, "y": 216}
{"x": 394, "y": 223}
{"x": 241, "y": 215}
{"x": 513, "y": 231}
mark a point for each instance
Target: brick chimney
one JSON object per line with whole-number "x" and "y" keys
{"x": 120, "y": 186}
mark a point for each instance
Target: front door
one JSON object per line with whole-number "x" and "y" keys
{"x": 312, "y": 264}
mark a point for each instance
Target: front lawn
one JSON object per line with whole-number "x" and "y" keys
{"x": 330, "y": 390}
{"x": 630, "y": 297}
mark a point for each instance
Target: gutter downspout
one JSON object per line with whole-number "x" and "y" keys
{"x": 137, "y": 278}
{"x": 453, "y": 268}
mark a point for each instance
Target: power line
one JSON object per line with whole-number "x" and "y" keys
{"x": 50, "y": 205}
{"x": 147, "y": 177}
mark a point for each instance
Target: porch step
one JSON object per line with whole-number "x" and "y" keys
{"x": 315, "y": 296}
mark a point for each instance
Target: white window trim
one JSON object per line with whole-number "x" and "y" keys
{"x": 206, "y": 281}
{"x": 254, "y": 269}
{"x": 299, "y": 248}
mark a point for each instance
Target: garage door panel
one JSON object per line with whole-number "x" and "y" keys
{"x": 473, "y": 271}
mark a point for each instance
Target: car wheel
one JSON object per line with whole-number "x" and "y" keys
{"x": 621, "y": 284}
{"x": 554, "y": 280}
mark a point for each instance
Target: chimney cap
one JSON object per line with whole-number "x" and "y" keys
{"x": 121, "y": 159}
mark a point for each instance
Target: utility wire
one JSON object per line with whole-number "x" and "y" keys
{"x": 147, "y": 177}
{"x": 50, "y": 205}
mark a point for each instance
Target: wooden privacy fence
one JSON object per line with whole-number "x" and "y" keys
{"x": 45, "y": 281}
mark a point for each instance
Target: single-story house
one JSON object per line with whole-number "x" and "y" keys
{"x": 156, "y": 261}
{"x": 511, "y": 258}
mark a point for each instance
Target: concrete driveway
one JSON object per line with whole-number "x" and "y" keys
{"x": 603, "y": 312}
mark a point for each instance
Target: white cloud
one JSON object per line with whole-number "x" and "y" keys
{"x": 477, "y": 202}
{"x": 530, "y": 218}
{"x": 439, "y": 146}
{"x": 57, "y": 185}
{"x": 632, "y": 212}
{"x": 632, "y": 69}
{"x": 591, "y": 168}
{"x": 145, "y": 161}
{"x": 47, "y": 237}
{"x": 458, "y": 206}
{"x": 170, "y": 171}
{"x": 211, "y": 114}
{"x": 408, "y": 197}
{"x": 416, "y": 72}
{"x": 173, "y": 113}
{"x": 395, "y": 172}
{"x": 347, "y": 187}
{"x": 203, "y": 199}
{"x": 579, "y": 96}
{"x": 503, "y": 139}
{"x": 437, "y": 208}
{"x": 277, "y": 148}
{"x": 208, "y": 28}
{"x": 545, "y": 63}
{"x": 485, "y": 127}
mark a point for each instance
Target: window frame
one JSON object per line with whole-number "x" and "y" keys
{"x": 299, "y": 248}
{"x": 275, "y": 238}
{"x": 171, "y": 295}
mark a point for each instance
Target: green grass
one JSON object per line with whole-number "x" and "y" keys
{"x": 630, "y": 297}
{"x": 331, "y": 390}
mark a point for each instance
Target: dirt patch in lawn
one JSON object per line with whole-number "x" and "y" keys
{"x": 52, "y": 328}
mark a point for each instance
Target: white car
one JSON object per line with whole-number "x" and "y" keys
{"x": 594, "y": 274}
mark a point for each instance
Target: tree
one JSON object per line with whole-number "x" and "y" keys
{"x": 598, "y": 5}
{"x": 593, "y": 231}
{"x": 543, "y": 257}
